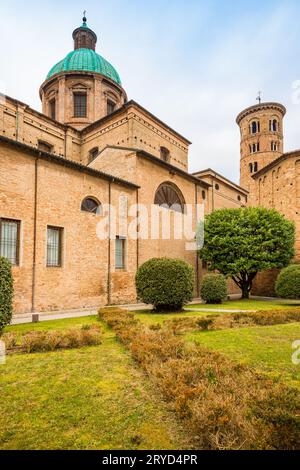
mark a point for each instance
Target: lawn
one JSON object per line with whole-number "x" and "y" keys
{"x": 250, "y": 304}
{"x": 268, "y": 349}
{"x": 88, "y": 398}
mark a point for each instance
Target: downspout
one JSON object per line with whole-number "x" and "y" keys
{"x": 197, "y": 256}
{"x": 213, "y": 194}
{"x": 34, "y": 235}
{"x": 109, "y": 248}
{"x": 137, "y": 231}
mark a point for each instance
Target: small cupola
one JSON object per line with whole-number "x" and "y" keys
{"x": 84, "y": 37}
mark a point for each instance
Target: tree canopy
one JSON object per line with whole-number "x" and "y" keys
{"x": 239, "y": 243}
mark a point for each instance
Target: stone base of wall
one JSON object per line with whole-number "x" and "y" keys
{"x": 264, "y": 283}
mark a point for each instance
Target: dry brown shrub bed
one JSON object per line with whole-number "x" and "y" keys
{"x": 42, "y": 341}
{"x": 236, "y": 320}
{"x": 224, "y": 405}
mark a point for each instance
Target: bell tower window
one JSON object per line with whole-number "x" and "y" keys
{"x": 253, "y": 167}
{"x": 52, "y": 108}
{"x": 80, "y": 105}
{"x": 254, "y": 148}
{"x": 274, "y": 125}
{"x": 254, "y": 127}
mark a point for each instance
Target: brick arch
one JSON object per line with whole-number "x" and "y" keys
{"x": 168, "y": 194}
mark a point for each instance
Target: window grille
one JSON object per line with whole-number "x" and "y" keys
{"x": 80, "y": 105}
{"x": 10, "y": 240}
{"x": 54, "y": 246}
{"x": 120, "y": 252}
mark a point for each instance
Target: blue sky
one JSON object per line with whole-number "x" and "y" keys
{"x": 194, "y": 64}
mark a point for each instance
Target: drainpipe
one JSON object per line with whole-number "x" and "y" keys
{"x": 34, "y": 235}
{"x": 213, "y": 194}
{"x": 197, "y": 257}
{"x": 109, "y": 248}
{"x": 137, "y": 231}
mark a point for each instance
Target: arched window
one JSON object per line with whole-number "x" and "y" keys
{"x": 91, "y": 205}
{"x": 253, "y": 167}
{"x": 274, "y": 125}
{"x": 254, "y": 148}
{"x": 254, "y": 127}
{"x": 274, "y": 146}
{"x": 52, "y": 108}
{"x": 170, "y": 197}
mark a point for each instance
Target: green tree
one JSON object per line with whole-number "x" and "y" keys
{"x": 240, "y": 243}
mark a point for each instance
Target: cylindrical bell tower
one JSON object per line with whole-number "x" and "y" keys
{"x": 262, "y": 139}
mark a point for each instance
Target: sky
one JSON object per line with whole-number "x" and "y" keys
{"x": 195, "y": 64}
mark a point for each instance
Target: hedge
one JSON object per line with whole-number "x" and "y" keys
{"x": 6, "y": 293}
{"x": 166, "y": 283}
{"x": 214, "y": 288}
{"x": 288, "y": 283}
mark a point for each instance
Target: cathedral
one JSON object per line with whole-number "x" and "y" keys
{"x": 92, "y": 154}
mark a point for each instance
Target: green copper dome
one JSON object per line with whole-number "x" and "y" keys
{"x": 85, "y": 60}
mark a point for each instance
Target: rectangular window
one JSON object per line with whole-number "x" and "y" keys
{"x": 54, "y": 246}
{"x": 111, "y": 106}
{"x": 52, "y": 109}
{"x": 80, "y": 105}
{"x": 10, "y": 240}
{"x": 120, "y": 252}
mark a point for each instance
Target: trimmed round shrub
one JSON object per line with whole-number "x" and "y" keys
{"x": 214, "y": 288}
{"x": 288, "y": 283}
{"x": 6, "y": 293}
{"x": 167, "y": 284}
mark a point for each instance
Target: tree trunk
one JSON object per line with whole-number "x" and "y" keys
{"x": 244, "y": 282}
{"x": 245, "y": 291}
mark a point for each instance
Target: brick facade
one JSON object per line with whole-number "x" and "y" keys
{"x": 49, "y": 166}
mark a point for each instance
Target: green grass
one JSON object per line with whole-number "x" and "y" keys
{"x": 88, "y": 398}
{"x": 268, "y": 349}
{"x": 249, "y": 305}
